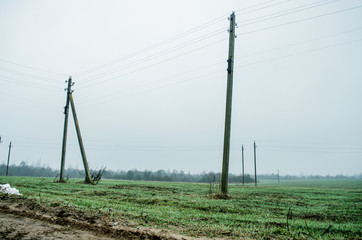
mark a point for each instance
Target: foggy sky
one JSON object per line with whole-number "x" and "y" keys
{"x": 150, "y": 84}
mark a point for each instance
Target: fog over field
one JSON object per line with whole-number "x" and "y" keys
{"x": 150, "y": 84}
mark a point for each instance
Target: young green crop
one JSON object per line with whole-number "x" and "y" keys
{"x": 292, "y": 209}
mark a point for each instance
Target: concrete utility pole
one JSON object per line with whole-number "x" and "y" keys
{"x": 229, "y": 91}
{"x": 88, "y": 178}
{"x": 255, "y": 163}
{"x": 7, "y": 166}
{"x": 65, "y": 131}
{"x": 242, "y": 163}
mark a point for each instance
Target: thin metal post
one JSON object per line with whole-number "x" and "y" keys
{"x": 88, "y": 178}
{"x": 230, "y": 71}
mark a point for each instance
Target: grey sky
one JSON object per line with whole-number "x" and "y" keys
{"x": 150, "y": 83}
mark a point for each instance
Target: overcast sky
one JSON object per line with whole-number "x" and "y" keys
{"x": 150, "y": 84}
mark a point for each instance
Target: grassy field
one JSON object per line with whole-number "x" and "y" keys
{"x": 299, "y": 209}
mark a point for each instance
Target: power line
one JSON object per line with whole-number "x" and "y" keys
{"x": 317, "y": 150}
{"x": 312, "y": 50}
{"x": 24, "y": 83}
{"x": 178, "y": 36}
{"x": 288, "y": 11}
{"x": 258, "y": 62}
{"x": 154, "y": 64}
{"x": 300, "y": 20}
{"x": 267, "y": 60}
{"x": 299, "y": 43}
{"x": 156, "y": 45}
{"x": 29, "y": 75}
{"x": 149, "y": 57}
{"x": 154, "y": 89}
{"x": 195, "y": 29}
{"x": 34, "y": 68}
{"x": 154, "y": 56}
{"x": 299, "y": 53}
{"x": 256, "y": 5}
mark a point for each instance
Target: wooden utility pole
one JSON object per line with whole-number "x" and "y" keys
{"x": 255, "y": 163}
{"x": 229, "y": 91}
{"x": 7, "y": 166}
{"x": 88, "y": 178}
{"x": 65, "y": 131}
{"x": 242, "y": 163}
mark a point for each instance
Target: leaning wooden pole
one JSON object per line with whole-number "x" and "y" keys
{"x": 229, "y": 91}
{"x": 88, "y": 178}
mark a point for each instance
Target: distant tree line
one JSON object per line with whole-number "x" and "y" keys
{"x": 37, "y": 170}
{"x": 273, "y": 176}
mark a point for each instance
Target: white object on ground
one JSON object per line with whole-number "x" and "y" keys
{"x": 5, "y": 188}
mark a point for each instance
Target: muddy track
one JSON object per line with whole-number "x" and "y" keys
{"x": 22, "y": 218}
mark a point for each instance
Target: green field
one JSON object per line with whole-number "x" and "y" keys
{"x": 300, "y": 209}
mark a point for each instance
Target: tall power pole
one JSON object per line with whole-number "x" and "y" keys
{"x": 65, "y": 131}
{"x": 255, "y": 163}
{"x": 7, "y": 166}
{"x": 242, "y": 163}
{"x": 229, "y": 92}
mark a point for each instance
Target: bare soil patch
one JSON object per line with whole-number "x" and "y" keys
{"x": 22, "y": 218}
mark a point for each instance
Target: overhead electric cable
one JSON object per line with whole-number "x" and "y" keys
{"x": 51, "y": 80}
{"x": 253, "y": 54}
{"x": 154, "y": 64}
{"x": 240, "y": 10}
{"x": 34, "y": 68}
{"x": 152, "y": 90}
{"x": 299, "y": 43}
{"x": 309, "y": 150}
{"x": 178, "y": 36}
{"x": 299, "y": 53}
{"x": 25, "y": 83}
{"x": 192, "y": 30}
{"x": 285, "y": 12}
{"x": 299, "y": 20}
{"x": 153, "y": 56}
